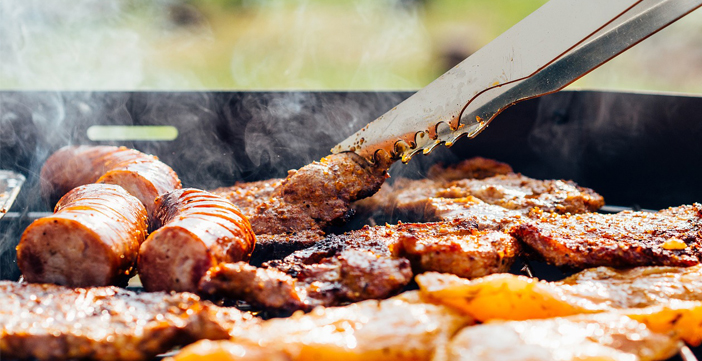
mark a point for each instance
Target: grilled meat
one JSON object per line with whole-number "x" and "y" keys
{"x": 50, "y": 322}
{"x": 276, "y": 246}
{"x": 199, "y": 231}
{"x": 433, "y": 199}
{"x": 350, "y": 276}
{"x": 306, "y": 202}
{"x": 401, "y": 328}
{"x": 582, "y": 337}
{"x": 91, "y": 240}
{"x": 594, "y": 290}
{"x": 142, "y": 175}
{"x": 473, "y": 168}
{"x": 457, "y": 247}
{"x": 671, "y": 237}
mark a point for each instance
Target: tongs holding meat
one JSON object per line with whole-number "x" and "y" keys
{"x": 557, "y": 44}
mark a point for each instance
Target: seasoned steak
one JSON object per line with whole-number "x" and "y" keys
{"x": 296, "y": 209}
{"x": 473, "y": 168}
{"x": 49, "y": 322}
{"x": 457, "y": 247}
{"x": 671, "y": 237}
{"x": 350, "y": 276}
{"x": 432, "y": 199}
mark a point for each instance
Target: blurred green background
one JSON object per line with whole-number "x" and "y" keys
{"x": 291, "y": 44}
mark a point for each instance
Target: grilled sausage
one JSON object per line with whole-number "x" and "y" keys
{"x": 142, "y": 175}
{"x": 199, "y": 230}
{"x": 92, "y": 239}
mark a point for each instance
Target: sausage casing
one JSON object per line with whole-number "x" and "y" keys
{"x": 92, "y": 239}
{"x": 199, "y": 230}
{"x": 142, "y": 175}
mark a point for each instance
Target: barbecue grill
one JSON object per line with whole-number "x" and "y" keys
{"x": 640, "y": 151}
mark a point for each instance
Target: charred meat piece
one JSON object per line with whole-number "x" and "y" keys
{"x": 142, "y": 175}
{"x": 311, "y": 197}
{"x": 671, "y": 237}
{"x": 515, "y": 191}
{"x": 473, "y": 168}
{"x": 50, "y": 322}
{"x": 245, "y": 195}
{"x": 350, "y": 276}
{"x": 296, "y": 210}
{"x": 91, "y": 240}
{"x": 487, "y": 216}
{"x": 199, "y": 231}
{"x": 457, "y": 247}
{"x": 415, "y": 200}
{"x": 276, "y": 246}
{"x": 326, "y": 188}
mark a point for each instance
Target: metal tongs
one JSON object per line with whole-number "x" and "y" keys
{"x": 551, "y": 48}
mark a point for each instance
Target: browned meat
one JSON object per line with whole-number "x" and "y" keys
{"x": 246, "y": 195}
{"x": 50, "y": 322}
{"x": 350, "y": 276}
{"x": 671, "y": 237}
{"x": 515, "y": 191}
{"x": 142, "y": 175}
{"x": 199, "y": 230}
{"x": 431, "y": 200}
{"x": 295, "y": 211}
{"x": 473, "y": 168}
{"x": 457, "y": 247}
{"x": 486, "y": 216}
{"x": 277, "y": 246}
{"x": 91, "y": 240}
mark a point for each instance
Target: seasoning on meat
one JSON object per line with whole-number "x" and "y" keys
{"x": 624, "y": 239}
{"x": 308, "y": 200}
{"x": 350, "y": 276}
{"x": 142, "y": 175}
{"x": 444, "y": 196}
{"x": 91, "y": 240}
{"x": 199, "y": 230}
{"x": 457, "y": 247}
{"x": 48, "y": 322}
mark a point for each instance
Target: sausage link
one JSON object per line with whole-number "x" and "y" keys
{"x": 199, "y": 230}
{"x": 92, "y": 239}
{"x": 142, "y": 175}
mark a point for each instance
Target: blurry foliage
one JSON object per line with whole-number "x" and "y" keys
{"x": 290, "y": 44}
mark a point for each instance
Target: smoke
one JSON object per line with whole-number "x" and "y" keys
{"x": 353, "y": 45}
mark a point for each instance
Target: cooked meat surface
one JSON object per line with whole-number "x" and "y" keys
{"x": 432, "y": 199}
{"x": 671, "y": 237}
{"x": 473, "y": 168}
{"x": 457, "y": 247}
{"x": 50, "y": 322}
{"x": 199, "y": 230}
{"x": 400, "y": 328}
{"x": 277, "y": 246}
{"x": 593, "y": 290}
{"x": 583, "y": 337}
{"x": 350, "y": 276}
{"x": 313, "y": 196}
{"x": 246, "y": 194}
{"x": 142, "y": 175}
{"x": 92, "y": 240}
{"x": 296, "y": 209}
